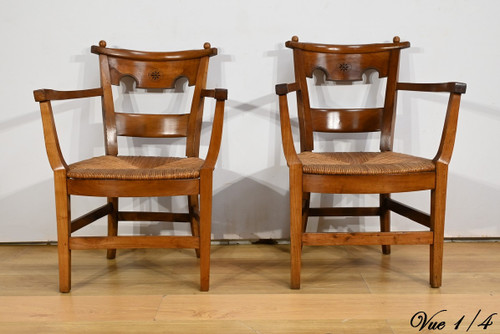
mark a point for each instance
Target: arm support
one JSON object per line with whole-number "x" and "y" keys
{"x": 446, "y": 87}
{"x": 220, "y": 95}
{"x": 456, "y": 89}
{"x": 44, "y": 96}
{"x": 49, "y": 94}
{"x": 286, "y": 129}
{"x": 283, "y": 89}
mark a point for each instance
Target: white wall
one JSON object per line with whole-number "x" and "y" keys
{"x": 45, "y": 44}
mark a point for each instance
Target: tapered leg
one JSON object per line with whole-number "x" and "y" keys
{"x": 193, "y": 214}
{"x": 63, "y": 212}
{"x": 385, "y": 220}
{"x": 306, "y": 197}
{"x": 205, "y": 227}
{"x": 296, "y": 225}
{"x": 112, "y": 224}
{"x": 438, "y": 209}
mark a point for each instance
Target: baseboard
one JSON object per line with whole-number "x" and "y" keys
{"x": 258, "y": 241}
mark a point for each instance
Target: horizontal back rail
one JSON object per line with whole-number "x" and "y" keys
{"x": 339, "y": 48}
{"x": 347, "y": 120}
{"x": 153, "y": 69}
{"x": 151, "y": 125}
{"x": 153, "y": 56}
{"x": 151, "y": 74}
{"x": 345, "y": 67}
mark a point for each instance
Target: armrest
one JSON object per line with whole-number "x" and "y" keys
{"x": 220, "y": 95}
{"x": 283, "y": 89}
{"x": 455, "y": 89}
{"x": 286, "y": 129}
{"x": 450, "y": 87}
{"x": 44, "y": 96}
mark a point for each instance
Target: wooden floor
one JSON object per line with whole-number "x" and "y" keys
{"x": 352, "y": 289}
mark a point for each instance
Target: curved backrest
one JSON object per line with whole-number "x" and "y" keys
{"x": 153, "y": 70}
{"x": 346, "y": 63}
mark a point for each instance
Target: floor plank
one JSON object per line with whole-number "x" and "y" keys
{"x": 351, "y": 289}
{"x": 319, "y": 306}
{"x": 78, "y": 308}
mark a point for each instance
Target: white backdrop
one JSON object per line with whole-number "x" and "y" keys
{"x": 46, "y": 44}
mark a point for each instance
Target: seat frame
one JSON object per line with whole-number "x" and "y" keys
{"x": 309, "y": 57}
{"x": 194, "y": 65}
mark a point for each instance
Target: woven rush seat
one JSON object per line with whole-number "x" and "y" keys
{"x": 136, "y": 168}
{"x": 363, "y": 163}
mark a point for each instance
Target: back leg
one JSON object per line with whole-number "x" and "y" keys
{"x": 305, "y": 210}
{"x": 194, "y": 214}
{"x": 112, "y": 224}
{"x": 385, "y": 220}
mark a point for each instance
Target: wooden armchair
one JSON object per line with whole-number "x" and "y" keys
{"x": 382, "y": 172}
{"x": 113, "y": 175}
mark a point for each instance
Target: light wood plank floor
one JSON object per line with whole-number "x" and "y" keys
{"x": 351, "y": 289}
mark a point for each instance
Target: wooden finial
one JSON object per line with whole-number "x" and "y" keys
{"x": 396, "y": 39}
{"x": 102, "y": 44}
{"x": 207, "y": 45}
{"x": 295, "y": 39}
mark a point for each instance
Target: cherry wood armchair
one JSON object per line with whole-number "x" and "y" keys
{"x": 112, "y": 175}
{"x": 383, "y": 172}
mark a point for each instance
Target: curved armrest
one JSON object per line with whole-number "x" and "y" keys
{"x": 49, "y": 94}
{"x": 450, "y": 87}
{"x": 283, "y": 89}
{"x": 286, "y": 129}
{"x": 220, "y": 95}
{"x": 44, "y": 96}
{"x": 456, "y": 89}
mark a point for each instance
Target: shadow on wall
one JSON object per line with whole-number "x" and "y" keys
{"x": 37, "y": 222}
{"x": 470, "y": 203}
{"x": 251, "y": 207}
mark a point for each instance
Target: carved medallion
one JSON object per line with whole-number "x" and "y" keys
{"x": 155, "y": 75}
{"x": 344, "y": 67}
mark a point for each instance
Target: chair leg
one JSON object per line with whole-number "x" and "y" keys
{"x": 296, "y": 226}
{"x": 193, "y": 212}
{"x": 305, "y": 210}
{"x": 63, "y": 212}
{"x": 205, "y": 227}
{"x": 112, "y": 225}
{"x": 438, "y": 208}
{"x": 385, "y": 220}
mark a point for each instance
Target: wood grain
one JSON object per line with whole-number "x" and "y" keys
{"x": 345, "y": 289}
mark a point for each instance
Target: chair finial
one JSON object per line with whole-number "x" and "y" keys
{"x": 206, "y": 45}
{"x": 102, "y": 44}
{"x": 396, "y": 39}
{"x": 295, "y": 38}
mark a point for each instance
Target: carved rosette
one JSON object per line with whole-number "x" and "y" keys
{"x": 155, "y": 75}
{"x": 344, "y": 67}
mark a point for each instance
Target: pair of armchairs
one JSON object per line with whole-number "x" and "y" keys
{"x": 384, "y": 172}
